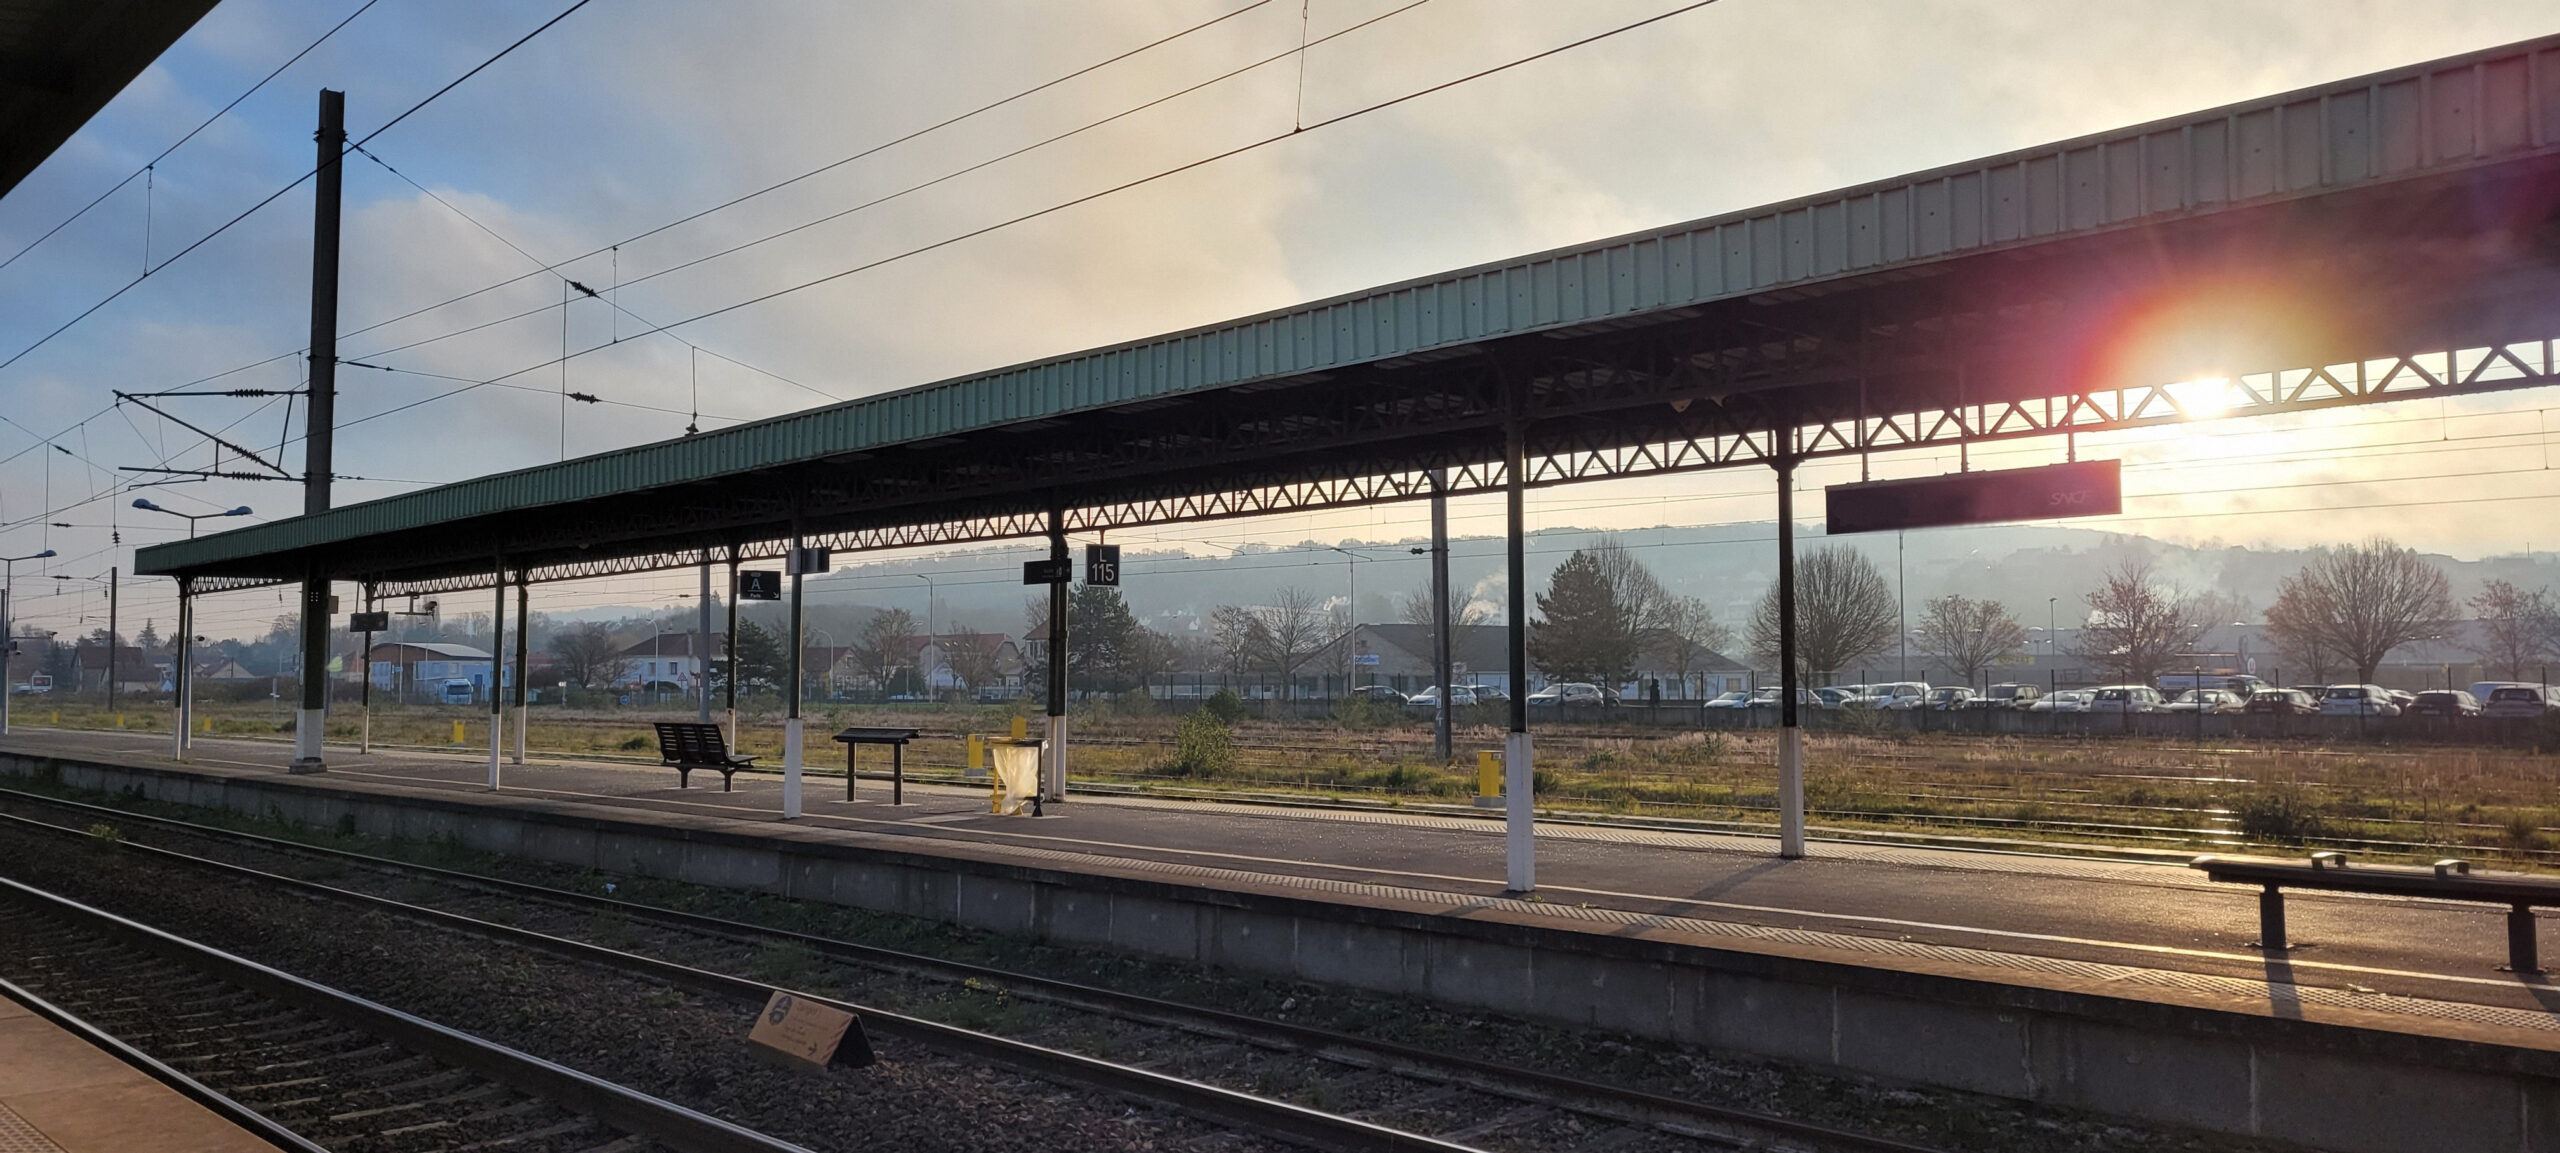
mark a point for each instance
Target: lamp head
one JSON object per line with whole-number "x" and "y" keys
{"x": 145, "y": 502}
{"x": 243, "y": 510}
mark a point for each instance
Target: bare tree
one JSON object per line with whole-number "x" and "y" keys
{"x": 1149, "y": 654}
{"x": 2138, "y": 622}
{"x": 880, "y": 649}
{"x": 1415, "y": 610}
{"x": 588, "y": 655}
{"x": 971, "y": 656}
{"x": 1294, "y": 628}
{"x": 2516, "y": 630}
{"x": 1240, "y": 638}
{"x": 1844, "y": 610}
{"x": 2360, "y": 602}
{"x": 1969, "y": 634}
{"x": 1690, "y": 632}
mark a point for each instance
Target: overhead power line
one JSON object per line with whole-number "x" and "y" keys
{"x": 272, "y": 197}
{"x": 154, "y": 162}
{"x": 1087, "y": 198}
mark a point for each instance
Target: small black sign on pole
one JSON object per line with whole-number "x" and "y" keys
{"x": 374, "y": 622}
{"x": 1102, "y": 564}
{"x": 759, "y": 585}
{"x": 1048, "y": 572}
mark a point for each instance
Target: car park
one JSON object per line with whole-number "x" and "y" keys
{"x": 1572, "y": 693}
{"x": 2126, "y": 699}
{"x": 1488, "y": 694}
{"x": 1737, "y": 699}
{"x": 1379, "y": 693}
{"x": 1948, "y": 697}
{"x": 2520, "y": 701}
{"x": 2065, "y": 701}
{"x": 1835, "y": 697}
{"x": 2008, "y": 695}
{"x": 2211, "y": 702}
{"x": 2281, "y": 703}
{"x": 2358, "y": 701}
{"x": 1901, "y": 695}
{"x": 1768, "y": 697}
{"x": 2443, "y": 703}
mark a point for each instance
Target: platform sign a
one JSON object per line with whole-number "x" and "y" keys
{"x": 1102, "y": 564}
{"x": 1048, "y": 572}
{"x": 759, "y": 585}
{"x": 372, "y": 622}
{"x": 2081, "y": 488}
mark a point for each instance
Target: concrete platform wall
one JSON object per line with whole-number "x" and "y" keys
{"x": 2333, "y": 1086}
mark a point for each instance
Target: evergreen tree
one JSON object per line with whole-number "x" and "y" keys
{"x": 1581, "y": 632}
{"x": 1100, "y": 634}
{"x": 761, "y": 662}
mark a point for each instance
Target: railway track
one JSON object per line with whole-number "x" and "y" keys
{"x": 1346, "y": 1092}
{"x": 309, "y": 1068}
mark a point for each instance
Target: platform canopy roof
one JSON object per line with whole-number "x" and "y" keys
{"x": 2324, "y": 240}
{"x": 62, "y": 60}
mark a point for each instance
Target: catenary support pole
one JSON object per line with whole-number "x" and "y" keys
{"x": 320, "y": 424}
{"x": 497, "y": 660}
{"x": 524, "y": 631}
{"x": 729, "y": 647}
{"x": 1519, "y": 775}
{"x": 702, "y": 646}
{"x": 791, "y": 748}
{"x": 178, "y": 678}
{"x": 1440, "y": 622}
{"x": 1055, "y": 788}
{"x": 1790, "y": 736}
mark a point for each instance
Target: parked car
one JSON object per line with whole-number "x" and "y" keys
{"x": 1379, "y": 693}
{"x": 2358, "y": 701}
{"x": 2281, "y": 703}
{"x": 1948, "y": 697}
{"x": 2402, "y": 698}
{"x": 1768, "y": 697}
{"x": 1488, "y": 694}
{"x": 2008, "y": 695}
{"x": 2444, "y": 703}
{"x": 2066, "y": 701}
{"x": 2211, "y": 702}
{"x": 1737, "y": 699}
{"x": 1572, "y": 693}
{"x": 1835, "y": 696}
{"x": 1902, "y": 695}
{"x": 2521, "y": 701}
{"x": 1460, "y": 696}
{"x": 2126, "y": 699}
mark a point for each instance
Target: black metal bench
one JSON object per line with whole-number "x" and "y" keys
{"x": 690, "y": 745}
{"x": 2447, "y": 880}
{"x": 856, "y": 737}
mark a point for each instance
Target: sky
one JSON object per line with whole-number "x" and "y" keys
{"x": 631, "y": 114}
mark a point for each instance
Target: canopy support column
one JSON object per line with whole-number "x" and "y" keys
{"x": 181, "y": 683}
{"x": 364, "y": 689}
{"x": 1790, "y": 737}
{"x": 791, "y": 721}
{"x": 730, "y": 691}
{"x": 1440, "y": 622}
{"x": 702, "y": 645}
{"x": 497, "y": 677}
{"x": 524, "y": 630}
{"x": 1519, "y": 776}
{"x": 1055, "y": 788}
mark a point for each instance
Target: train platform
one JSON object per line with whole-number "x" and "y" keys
{"x": 2118, "y": 923}
{"x": 60, "y": 1094}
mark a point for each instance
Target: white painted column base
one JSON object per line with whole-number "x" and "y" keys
{"x": 791, "y": 769}
{"x": 1519, "y": 815}
{"x": 1791, "y": 792}
{"x": 497, "y": 742}
{"x": 730, "y": 726}
{"x": 1056, "y": 787}
{"x": 306, "y": 741}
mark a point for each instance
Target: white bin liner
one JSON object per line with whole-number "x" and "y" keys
{"x": 1017, "y": 775}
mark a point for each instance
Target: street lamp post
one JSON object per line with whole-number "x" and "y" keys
{"x": 828, "y": 645}
{"x": 8, "y": 638}
{"x": 192, "y": 517}
{"x": 108, "y": 580}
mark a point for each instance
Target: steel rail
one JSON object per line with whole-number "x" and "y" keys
{"x": 636, "y": 1113}
{"x": 1256, "y": 1114}
{"x": 249, "y": 1120}
{"x": 1487, "y": 1076}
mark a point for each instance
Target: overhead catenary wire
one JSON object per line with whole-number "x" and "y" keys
{"x": 272, "y": 197}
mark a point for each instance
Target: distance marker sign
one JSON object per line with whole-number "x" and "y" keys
{"x": 1102, "y": 564}
{"x": 2082, "y": 488}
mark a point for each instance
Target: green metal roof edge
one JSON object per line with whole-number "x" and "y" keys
{"x": 1696, "y": 262}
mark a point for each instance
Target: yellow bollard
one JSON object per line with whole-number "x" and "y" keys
{"x": 457, "y": 732}
{"x": 206, "y": 724}
{"x": 119, "y": 720}
{"x": 1488, "y": 779}
{"x": 1021, "y": 728}
{"x": 977, "y": 756}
